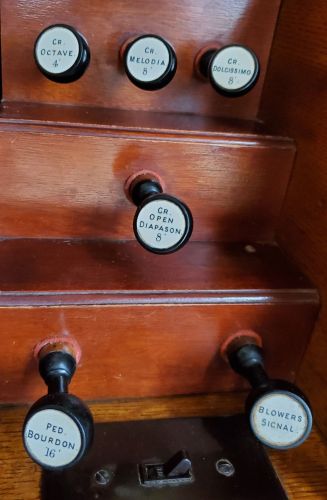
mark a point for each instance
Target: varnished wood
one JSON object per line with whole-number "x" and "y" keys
{"x": 45, "y": 271}
{"x": 147, "y": 326}
{"x": 187, "y": 25}
{"x": 138, "y": 351}
{"x": 149, "y": 122}
{"x": 297, "y": 78}
{"x": 303, "y": 471}
{"x": 70, "y": 183}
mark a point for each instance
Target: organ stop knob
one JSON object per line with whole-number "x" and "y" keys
{"x": 162, "y": 223}
{"x": 150, "y": 62}
{"x": 279, "y": 413}
{"x": 232, "y": 70}
{"x": 61, "y": 53}
{"x": 58, "y": 428}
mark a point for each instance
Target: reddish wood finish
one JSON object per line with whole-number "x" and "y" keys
{"x": 46, "y": 271}
{"x": 154, "y": 123}
{"x": 70, "y": 183}
{"x": 187, "y": 24}
{"x": 147, "y": 326}
{"x": 296, "y": 103}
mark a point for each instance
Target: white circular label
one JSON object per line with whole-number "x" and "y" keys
{"x": 161, "y": 224}
{"x": 281, "y": 420}
{"x": 52, "y": 438}
{"x": 233, "y": 67}
{"x": 57, "y": 49}
{"x": 147, "y": 59}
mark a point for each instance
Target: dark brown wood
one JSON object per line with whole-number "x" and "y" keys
{"x": 303, "y": 471}
{"x": 187, "y": 25}
{"x": 295, "y": 103}
{"x": 70, "y": 183}
{"x": 147, "y": 326}
{"x": 45, "y": 271}
{"x": 149, "y": 122}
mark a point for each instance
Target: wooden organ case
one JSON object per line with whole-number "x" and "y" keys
{"x": 148, "y": 320}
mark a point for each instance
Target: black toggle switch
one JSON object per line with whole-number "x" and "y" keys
{"x": 162, "y": 223}
{"x": 61, "y": 53}
{"x": 150, "y": 62}
{"x": 177, "y": 470}
{"x": 179, "y": 465}
{"x": 279, "y": 413}
{"x": 58, "y": 428}
{"x": 232, "y": 70}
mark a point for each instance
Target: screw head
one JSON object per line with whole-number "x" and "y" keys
{"x": 102, "y": 477}
{"x": 225, "y": 467}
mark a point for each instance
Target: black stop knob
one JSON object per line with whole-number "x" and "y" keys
{"x": 232, "y": 70}
{"x": 61, "y": 53}
{"x": 150, "y": 62}
{"x": 58, "y": 428}
{"x": 279, "y": 413}
{"x": 162, "y": 223}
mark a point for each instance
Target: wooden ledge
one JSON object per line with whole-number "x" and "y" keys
{"x": 103, "y": 120}
{"x": 63, "y": 272}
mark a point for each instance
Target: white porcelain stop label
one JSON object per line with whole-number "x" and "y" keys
{"x": 281, "y": 420}
{"x": 233, "y": 67}
{"x": 52, "y": 438}
{"x": 161, "y": 224}
{"x": 147, "y": 59}
{"x": 57, "y": 49}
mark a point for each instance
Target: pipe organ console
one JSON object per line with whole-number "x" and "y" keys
{"x": 146, "y": 175}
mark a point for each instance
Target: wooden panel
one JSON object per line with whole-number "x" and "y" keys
{"x": 298, "y": 78}
{"x": 119, "y": 120}
{"x": 139, "y": 351}
{"x": 58, "y": 183}
{"x": 303, "y": 471}
{"x": 161, "y": 322}
{"x": 106, "y": 25}
{"x": 49, "y": 272}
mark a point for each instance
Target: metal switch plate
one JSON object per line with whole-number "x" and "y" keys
{"x": 226, "y": 463}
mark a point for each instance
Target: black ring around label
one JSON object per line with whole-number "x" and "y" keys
{"x": 80, "y": 65}
{"x": 165, "y": 78}
{"x": 242, "y": 90}
{"x": 188, "y": 224}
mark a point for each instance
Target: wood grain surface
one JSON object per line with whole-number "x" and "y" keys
{"x": 70, "y": 183}
{"x": 187, "y": 24}
{"x": 149, "y": 122}
{"x": 45, "y": 271}
{"x": 147, "y": 326}
{"x": 298, "y": 77}
{"x": 303, "y": 471}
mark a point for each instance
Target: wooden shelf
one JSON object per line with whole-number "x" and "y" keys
{"x": 103, "y": 120}
{"x": 59, "y": 271}
{"x": 137, "y": 316}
